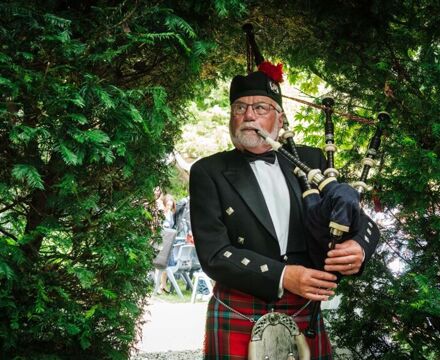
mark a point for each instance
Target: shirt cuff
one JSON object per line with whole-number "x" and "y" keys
{"x": 280, "y": 285}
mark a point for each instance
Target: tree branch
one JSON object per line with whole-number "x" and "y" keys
{"x": 10, "y": 206}
{"x": 8, "y": 234}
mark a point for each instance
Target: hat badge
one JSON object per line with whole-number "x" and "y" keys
{"x": 273, "y": 87}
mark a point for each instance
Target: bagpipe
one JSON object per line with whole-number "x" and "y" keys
{"x": 331, "y": 208}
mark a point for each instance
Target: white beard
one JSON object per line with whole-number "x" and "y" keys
{"x": 250, "y": 139}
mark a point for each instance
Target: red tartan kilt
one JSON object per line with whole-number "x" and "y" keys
{"x": 228, "y": 334}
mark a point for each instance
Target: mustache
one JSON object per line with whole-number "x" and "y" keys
{"x": 248, "y": 126}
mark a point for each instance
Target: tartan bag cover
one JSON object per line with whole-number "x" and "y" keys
{"x": 227, "y": 334}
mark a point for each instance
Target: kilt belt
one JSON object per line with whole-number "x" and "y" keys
{"x": 227, "y": 334}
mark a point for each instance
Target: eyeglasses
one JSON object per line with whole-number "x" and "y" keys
{"x": 260, "y": 108}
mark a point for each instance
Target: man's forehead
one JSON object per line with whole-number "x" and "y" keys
{"x": 255, "y": 99}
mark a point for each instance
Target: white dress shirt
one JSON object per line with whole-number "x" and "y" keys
{"x": 273, "y": 185}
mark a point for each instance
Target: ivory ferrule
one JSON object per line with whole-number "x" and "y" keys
{"x": 338, "y": 229}
{"x": 310, "y": 192}
{"x": 330, "y": 147}
{"x": 314, "y": 176}
{"x": 361, "y": 186}
{"x": 298, "y": 172}
{"x": 287, "y": 134}
{"x": 331, "y": 172}
{"x": 329, "y": 137}
{"x": 368, "y": 161}
{"x": 324, "y": 183}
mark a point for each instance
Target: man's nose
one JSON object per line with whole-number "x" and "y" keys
{"x": 249, "y": 115}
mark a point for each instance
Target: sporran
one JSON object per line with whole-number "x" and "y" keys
{"x": 276, "y": 336}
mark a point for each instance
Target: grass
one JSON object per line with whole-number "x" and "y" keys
{"x": 172, "y": 297}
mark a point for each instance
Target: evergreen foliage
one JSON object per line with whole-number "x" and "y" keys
{"x": 91, "y": 95}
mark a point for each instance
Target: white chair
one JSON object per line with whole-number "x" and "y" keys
{"x": 195, "y": 263}
{"x": 183, "y": 263}
{"x": 160, "y": 262}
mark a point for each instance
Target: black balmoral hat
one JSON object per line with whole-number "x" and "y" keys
{"x": 256, "y": 83}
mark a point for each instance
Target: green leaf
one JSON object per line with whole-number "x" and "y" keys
{"x": 85, "y": 340}
{"x": 436, "y": 130}
{"x": 5, "y": 59}
{"x": 135, "y": 114}
{"x": 109, "y": 294}
{"x": 6, "y": 271}
{"x": 85, "y": 277}
{"x": 10, "y": 242}
{"x": 6, "y": 82}
{"x": 89, "y": 313}
{"x": 79, "y": 118}
{"x": 105, "y": 98}
{"x": 29, "y": 174}
{"x": 176, "y": 23}
{"x": 57, "y": 21}
{"x": 42, "y": 298}
{"x": 72, "y": 329}
{"x": 108, "y": 155}
{"x": 22, "y": 134}
{"x": 69, "y": 156}
{"x": 77, "y": 100}
{"x": 96, "y": 136}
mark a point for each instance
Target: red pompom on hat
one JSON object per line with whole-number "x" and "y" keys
{"x": 275, "y": 72}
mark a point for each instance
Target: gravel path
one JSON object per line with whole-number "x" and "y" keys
{"x": 171, "y": 355}
{"x": 172, "y": 331}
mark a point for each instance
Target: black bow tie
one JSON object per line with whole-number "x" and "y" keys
{"x": 268, "y": 157}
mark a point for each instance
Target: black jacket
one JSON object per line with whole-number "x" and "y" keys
{"x": 233, "y": 232}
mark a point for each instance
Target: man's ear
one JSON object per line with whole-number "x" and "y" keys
{"x": 280, "y": 119}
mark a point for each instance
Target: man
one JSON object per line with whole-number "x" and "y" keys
{"x": 246, "y": 216}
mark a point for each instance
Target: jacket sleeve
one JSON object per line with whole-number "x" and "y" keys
{"x": 368, "y": 236}
{"x": 239, "y": 268}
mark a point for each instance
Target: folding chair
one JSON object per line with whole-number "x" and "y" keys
{"x": 160, "y": 262}
{"x": 199, "y": 276}
{"x": 183, "y": 263}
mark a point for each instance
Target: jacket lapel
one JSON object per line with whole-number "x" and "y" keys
{"x": 240, "y": 175}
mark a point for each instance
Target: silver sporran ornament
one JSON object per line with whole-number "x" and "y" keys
{"x": 275, "y": 336}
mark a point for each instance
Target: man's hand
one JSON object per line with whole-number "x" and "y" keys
{"x": 309, "y": 283}
{"x": 347, "y": 258}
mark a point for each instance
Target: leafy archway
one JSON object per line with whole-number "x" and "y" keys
{"x": 93, "y": 97}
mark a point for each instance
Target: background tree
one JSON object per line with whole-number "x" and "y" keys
{"x": 91, "y": 96}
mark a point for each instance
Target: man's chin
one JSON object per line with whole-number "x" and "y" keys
{"x": 250, "y": 141}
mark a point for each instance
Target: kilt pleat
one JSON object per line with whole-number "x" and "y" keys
{"x": 227, "y": 334}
